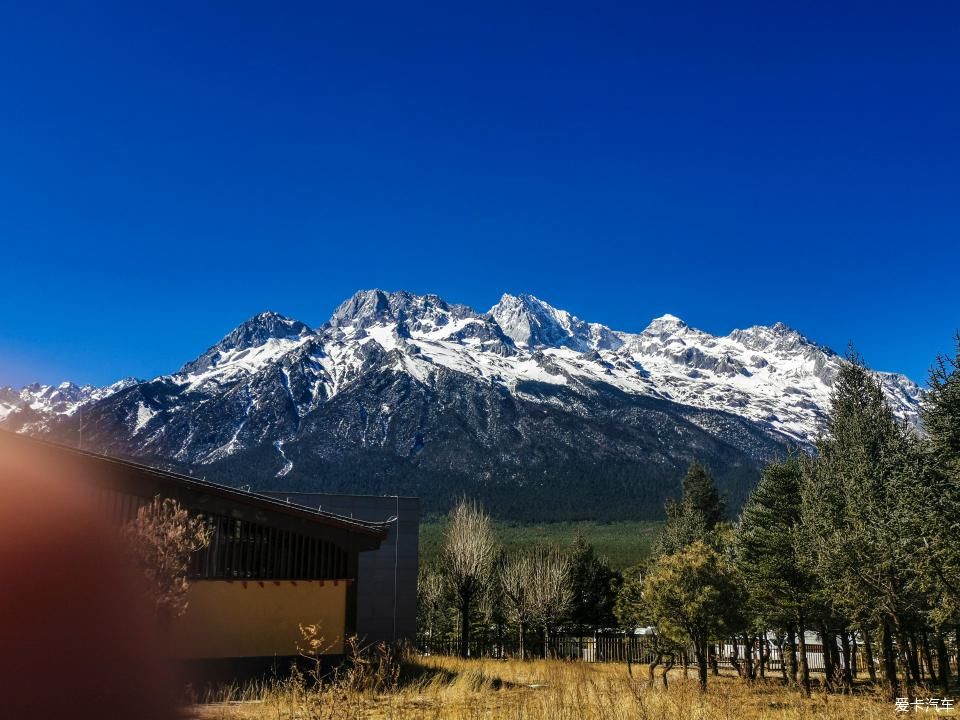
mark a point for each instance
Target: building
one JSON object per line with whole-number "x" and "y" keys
{"x": 387, "y": 597}
{"x": 271, "y": 565}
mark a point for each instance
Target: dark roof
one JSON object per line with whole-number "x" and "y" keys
{"x": 376, "y": 530}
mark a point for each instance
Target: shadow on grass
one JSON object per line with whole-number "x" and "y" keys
{"x": 414, "y": 673}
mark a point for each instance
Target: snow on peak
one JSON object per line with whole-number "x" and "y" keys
{"x": 256, "y": 332}
{"x": 776, "y": 338}
{"x": 530, "y": 321}
{"x": 771, "y": 375}
{"x": 418, "y": 313}
{"x": 665, "y": 324}
{"x": 410, "y": 316}
{"x": 364, "y": 306}
{"x": 533, "y": 323}
{"x": 262, "y": 327}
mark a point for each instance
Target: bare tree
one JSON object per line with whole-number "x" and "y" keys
{"x": 551, "y": 590}
{"x": 162, "y": 538}
{"x": 469, "y": 548}
{"x": 431, "y": 594}
{"x": 516, "y": 579}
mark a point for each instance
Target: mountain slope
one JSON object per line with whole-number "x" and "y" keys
{"x": 539, "y": 413}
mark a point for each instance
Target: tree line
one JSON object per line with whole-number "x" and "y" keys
{"x": 478, "y": 591}
{"x": 858, "y": 542}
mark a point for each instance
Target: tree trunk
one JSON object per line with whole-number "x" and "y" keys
{"x": 735, "y": 658}
{"x": 465, "y": 628}
{"x": 666, "y": 669}
{"x": 781, "y": 645}
{"x": 522, "y": 628}
{"x": 903, "y": 644}
{"x": 854, "y": 659}
{"x": 764, "y": 646}
{"x": 868, "y": 654}
{"x": 826, "y": 639}
{"x": 791, "y": 657}
{"x": 913, "y": 659}
{"x": 847, "y": 672}
{"x": 714, "y": 663}
{"x": 804, "y": 665}
{"x": 700, "y": 650}
{"x": 889, "y": 659}
{"x": 956, "y": 645}
{"x": 927, "y": 655}
{"x": 684, "y": 662}
{"x": 943, "y": 660}
{"x": 748, "y": 657}
{"x": 653, "y": 666}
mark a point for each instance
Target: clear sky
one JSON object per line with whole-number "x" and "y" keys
{"x": 167, "y": 171}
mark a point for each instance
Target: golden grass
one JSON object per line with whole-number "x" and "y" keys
{"x": 445, "y": 688}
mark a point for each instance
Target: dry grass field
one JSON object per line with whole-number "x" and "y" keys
{"x": 445, "y": 688}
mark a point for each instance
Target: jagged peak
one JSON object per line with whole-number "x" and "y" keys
{"x": 777, "y": 336}
{"x": 666, "y": 324}
{"x": 509, "y": 299}
{"x": 258, "y": 330}
{"x": 531, "y": 321}
{"x": 417, "y": 313}
{"x": 361, "y": 303}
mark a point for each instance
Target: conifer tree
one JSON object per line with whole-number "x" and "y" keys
{"x": 695, "y": 516}
{"x": 594, "y": 586}
{"x": 700, "y": 495}
{"x": 691, "y": 596}
{"x": 936, "y": 506}
{"x": 767, "y": 554}
{"x": 855, "y": 530}
{"x": 633, "y": 612}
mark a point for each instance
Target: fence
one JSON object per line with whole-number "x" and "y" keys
{"x": 621, "y": 647}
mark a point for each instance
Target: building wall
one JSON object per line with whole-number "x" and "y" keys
{"x": 258, "y": 619}
{"x": 387, "y": 585}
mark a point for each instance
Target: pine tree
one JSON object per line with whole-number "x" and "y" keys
{"x": 700, "y": 495}
{"x": 767, "y": 554}
{"x": 695, "y": 516}
{"x": 594, "y": 585}
{"x": 692, "y": 597}
{"x": 936, "y": 497}
{"x": 941, "y": 410}
{"x": 855, "y": 525}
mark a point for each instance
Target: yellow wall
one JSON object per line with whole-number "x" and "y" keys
{"x": 226, "y": 619}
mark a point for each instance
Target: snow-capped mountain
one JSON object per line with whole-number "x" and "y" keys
{"x": 406, "y": 393}
{"x": 35, "y": 406}
{"x": 771, "y": 375}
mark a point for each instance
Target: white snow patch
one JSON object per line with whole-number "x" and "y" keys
{"x": 144, "y": 415}
{"x": 384, "y": 335}
{"x": 287, "y": 464}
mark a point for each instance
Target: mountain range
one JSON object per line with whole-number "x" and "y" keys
{"x": 538, "y": 413}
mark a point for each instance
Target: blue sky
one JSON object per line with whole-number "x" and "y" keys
{"x": 167, "y": 172}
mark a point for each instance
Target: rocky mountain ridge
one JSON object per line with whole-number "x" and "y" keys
{"x": 408, "y": 393}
